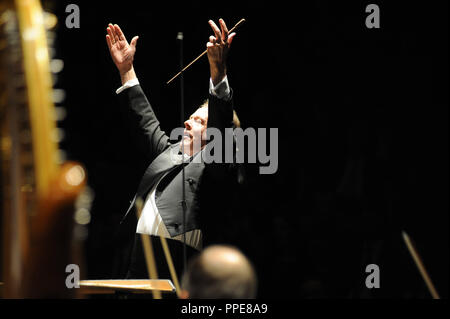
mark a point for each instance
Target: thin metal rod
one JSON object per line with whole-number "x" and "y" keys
{"x": 183, "y": 202}
{"x": 420, "y": 265}
{"x": 169, "y": 260}
{"x": 148, "y": 251}
{"x": 203, "y": 53}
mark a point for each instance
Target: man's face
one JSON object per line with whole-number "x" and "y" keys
{"x": 195, "y": 131}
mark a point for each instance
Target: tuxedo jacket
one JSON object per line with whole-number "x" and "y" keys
{"x": 207, "y": 186}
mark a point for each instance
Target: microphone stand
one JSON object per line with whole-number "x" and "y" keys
{"x": 183, "y": 202}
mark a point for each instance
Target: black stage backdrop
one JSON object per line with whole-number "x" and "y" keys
{"x": 363, "y": 133}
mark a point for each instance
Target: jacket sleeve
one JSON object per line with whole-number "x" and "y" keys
{"x": 144, "y": 126}
{"x": 220, "y": 116}
{"x": 220, "y": 113}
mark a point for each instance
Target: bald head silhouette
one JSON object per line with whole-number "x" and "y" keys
{"x": 220, "y": 272}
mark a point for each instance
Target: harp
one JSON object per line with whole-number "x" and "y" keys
{"x": 38, "y": 190}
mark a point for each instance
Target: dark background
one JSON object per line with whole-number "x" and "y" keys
{"x": 363, "y": 133}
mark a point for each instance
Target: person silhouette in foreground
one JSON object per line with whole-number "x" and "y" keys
{"x": 219, "y": 271}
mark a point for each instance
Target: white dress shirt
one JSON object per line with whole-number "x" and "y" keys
{"x": 151, "y": 222}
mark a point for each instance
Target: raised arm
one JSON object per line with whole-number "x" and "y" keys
{"x": 220, "y": 110}
{"x": 218, "y": 47}
{"x": 121, "y": 52}
{"x": 145, "y": 128}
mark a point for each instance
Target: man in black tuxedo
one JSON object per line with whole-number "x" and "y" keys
{"x": 207, "y": 186}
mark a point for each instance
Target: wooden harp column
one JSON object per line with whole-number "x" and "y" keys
{"x": 38, "y": 192}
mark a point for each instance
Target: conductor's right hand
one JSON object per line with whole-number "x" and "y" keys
{"x": 122, "y": 53}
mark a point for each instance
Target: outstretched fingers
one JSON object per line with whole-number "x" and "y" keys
{"x": 114, "y": 35}
{"x": 224, "y": 29}
{"x": 230, "y": 38}
{"x": 119, "y": 32}
{"x": 108, "y": 41}
{"x": 216, "y": 31}
{"x": 222, "y": 35}
{"x": 134, "y": 41}
{"x": 110, "y": 30}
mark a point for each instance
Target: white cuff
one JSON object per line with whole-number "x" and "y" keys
{"x": 221, "y": 90}
{"x": 128, "y": 84}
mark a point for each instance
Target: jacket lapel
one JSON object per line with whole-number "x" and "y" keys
{"x": 166, "y": 161}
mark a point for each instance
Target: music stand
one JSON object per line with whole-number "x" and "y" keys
{"x": 141, "y": 286}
